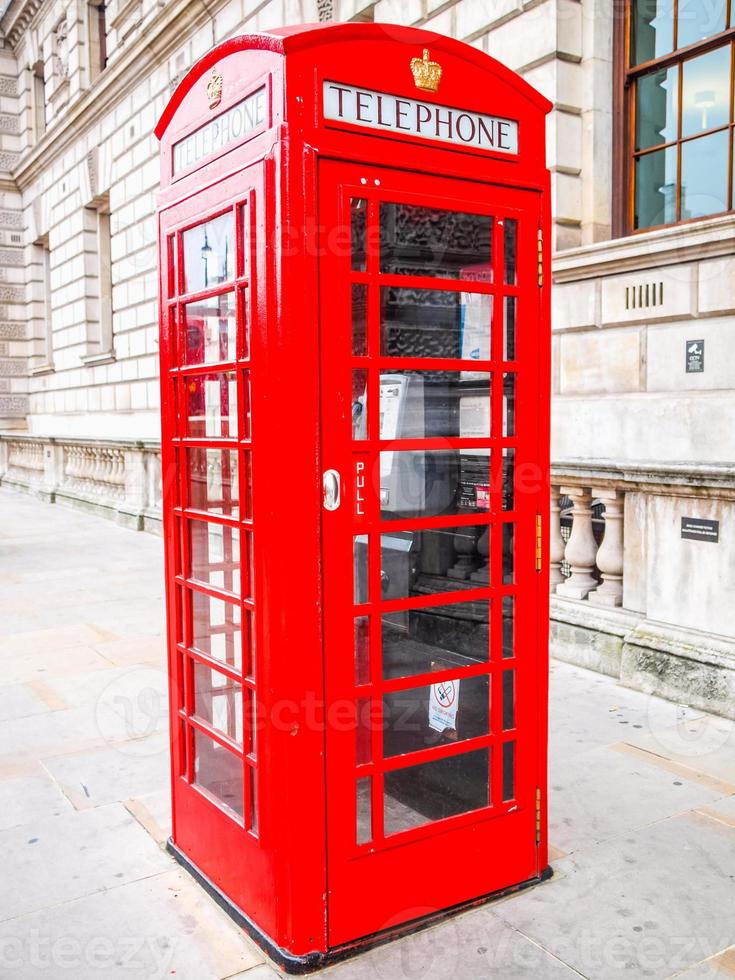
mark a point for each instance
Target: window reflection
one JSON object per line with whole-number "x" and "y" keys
{"x": 704, "y": 176}
{"x": 655, "y": 188}
{"x": 426, "y": 241}
{"x": 436, "y": 638}
{"x": 209, "y": 253}
{"x": 657, "y": 108}
{"x": 430, "y": 404}
{"x": 420, "y": 794}
{"x": 698, "y": 20}
{"x": 652, "y": 29}
{"x": 705, "y": 92}
{"x": 209, "y": 330}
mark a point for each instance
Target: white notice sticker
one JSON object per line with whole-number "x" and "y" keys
{"x": 443, "y": 704}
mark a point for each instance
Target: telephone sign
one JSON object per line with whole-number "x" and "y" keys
{"x": 355, "y": 361}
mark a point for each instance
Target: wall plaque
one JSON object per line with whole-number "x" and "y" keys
{"x": 699, "y": 529}
{"x": 695, "y": 356}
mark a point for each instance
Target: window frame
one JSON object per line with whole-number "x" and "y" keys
{"x": 625, "y": 76}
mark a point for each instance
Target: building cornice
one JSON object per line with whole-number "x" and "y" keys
{"x": 17, "y": 19}
{"x": 156, "y": 42}
{"x": 688, "y": 242}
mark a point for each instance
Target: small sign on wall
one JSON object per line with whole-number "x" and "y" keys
{"x": 699, "y": 529}
{"x": 695, "y": 356}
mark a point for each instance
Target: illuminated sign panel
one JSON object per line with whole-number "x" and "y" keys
{"x": 229, "y": 127}
{"x": 398, "y": 114}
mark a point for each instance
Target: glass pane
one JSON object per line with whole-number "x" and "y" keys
{"x": 211, "y": 405}
{"x": 215, "y": 555}
{"x": 435, "y": 323}
{"x": 432, "y": 561}
{"x": 509, "y": 479}
{"x": 509, "y": 328}
{"x": 656, "y": 108}
{"x": 419, "y": 794}
{"x": 430, "y": 404}
{"x": 359, "y": 404}
{"x": 510, "y": 238}
{"x": 509, "y": 770}
{"x": 365, "y": 723}
{"x": 435, "y": 638}
{"x": 213, "y": 481}
{"x": 439, "y": 714}
{"x": 429, "y": 484}
{"x": 359, "y": 319}
{"x": 362, "y": 649}
{"x": 509, "y": 700}
{"x": 425, "y": 241}
{"x": 698, "y": 20}
{"x": 652, "y": 29}
{"x": 218, "y": 701}
{"x": 216, "y": 629}
{"x": 508, "y": 555}
{"x": 508, "y": 627}
{"x": 705, "y": 97}
{"x": 253, "y": 797}
{"x": 219, "y": 772}
{"x": 655, "y": 188}
{"x": 209, "y": 253}
{"x": 358, "y": 232}
{"x": 704, "y": 165}
{"x": 209, "y": 330}
{"x": 364, "y": 810}
{"x": 509, "y": 404}
{"x": 360, "y": 565}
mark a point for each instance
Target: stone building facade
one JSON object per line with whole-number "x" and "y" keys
{"x": 644, "y": 243}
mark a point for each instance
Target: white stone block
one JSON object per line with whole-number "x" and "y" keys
{"x": 690, "y": 583}
{"x": 600, "y": 362}
{"x": 667, "y": 343}
{"x": 664, "y": 293}
{"x": 574, "y": 304}
{"x": 716, "y": 286}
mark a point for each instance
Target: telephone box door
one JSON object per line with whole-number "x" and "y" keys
{"x": 209, "y": 272}
{"x": 433, "y": 439}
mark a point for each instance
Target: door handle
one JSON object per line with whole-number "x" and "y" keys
{"x": 330, "y": 489}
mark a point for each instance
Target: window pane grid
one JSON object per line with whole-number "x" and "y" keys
{"x": 677, "y": 99}
{"x": 379, "y": 281}
{"x": 215, "y": 645}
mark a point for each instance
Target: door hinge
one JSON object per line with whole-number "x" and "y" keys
{"x": 538, "y": 815}
{"x": 538, "y": 542}
{"x": 540, "y": 257}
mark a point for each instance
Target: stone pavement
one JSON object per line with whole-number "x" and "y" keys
{"x": 642, "y": 804}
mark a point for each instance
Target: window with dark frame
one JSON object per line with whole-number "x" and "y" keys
{"x": 675, "y": 63}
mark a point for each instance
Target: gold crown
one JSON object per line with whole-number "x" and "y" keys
{"x": 426, "y": 74}
{"x": 214, "y": 89}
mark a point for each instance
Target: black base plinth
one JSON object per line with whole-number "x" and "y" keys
{"x": 316, "y": 960}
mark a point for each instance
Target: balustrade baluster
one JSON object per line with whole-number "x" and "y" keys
{"x": 581, "y": 548}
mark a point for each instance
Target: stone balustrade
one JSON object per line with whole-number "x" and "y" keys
{"x": 595, "y": 569}
{"x": 114, "y": 478}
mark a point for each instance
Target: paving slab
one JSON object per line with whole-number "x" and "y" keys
{"x": 580, "y": 810}
{"x": 650, "y": 903}
{"x": 109, "y": 775}
{"x": 476, "y": 945}
{"x": 51, "y": 860}
{"x": 152, "y": 929}
{"x": 28, "y": 796}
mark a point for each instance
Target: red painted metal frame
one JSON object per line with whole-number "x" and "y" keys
{"x": 298, "y": 880}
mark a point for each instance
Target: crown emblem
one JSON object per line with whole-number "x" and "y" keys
{"x": 426, "y": 74}
{"x": 214, "y": 89}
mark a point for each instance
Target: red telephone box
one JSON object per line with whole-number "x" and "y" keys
{"x": 355, "y": 379}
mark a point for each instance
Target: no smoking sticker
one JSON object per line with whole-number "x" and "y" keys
{"x": 443, "y": 704}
